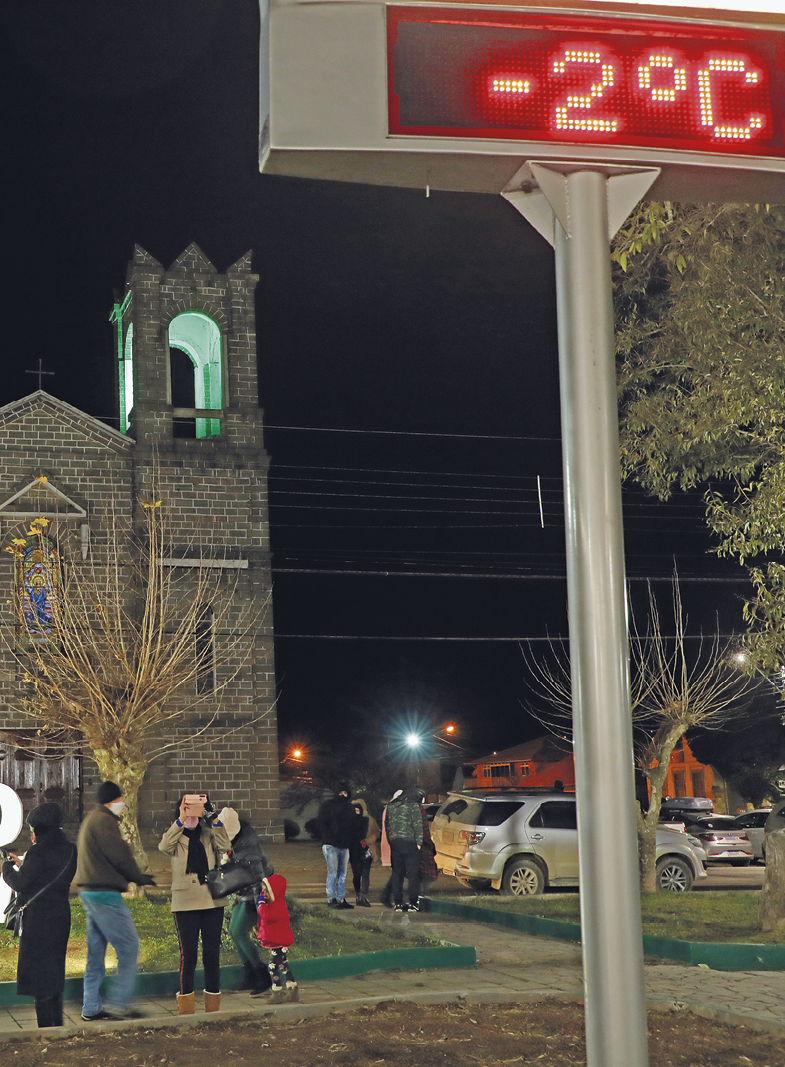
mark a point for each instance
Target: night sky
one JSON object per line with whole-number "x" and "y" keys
{"x": 426, "y": 326}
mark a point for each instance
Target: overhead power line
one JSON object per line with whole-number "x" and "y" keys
{"x": 414, "y": 433}
{"x": 493, "y": 576}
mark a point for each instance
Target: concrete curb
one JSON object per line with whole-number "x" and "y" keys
{"x": 284, "y": 1012}
{"x": 717, "y": 957}
{"x": 309, "y": 970}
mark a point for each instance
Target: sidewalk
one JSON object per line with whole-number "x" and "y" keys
{"x": 511, "y": 966}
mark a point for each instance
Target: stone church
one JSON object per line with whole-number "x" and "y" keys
{"x": 185, "y": 359}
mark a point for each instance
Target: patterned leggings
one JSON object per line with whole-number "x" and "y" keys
{"x": 279, "y": 969}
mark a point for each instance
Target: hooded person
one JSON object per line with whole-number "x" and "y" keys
{"x": 41, "y": 884}
{"x": 405, "y": 836}
{"x": 360, "y": 854}
{"x": 337, "y": 823}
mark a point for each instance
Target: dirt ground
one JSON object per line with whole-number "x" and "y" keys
{"x": 548, "y": 1033}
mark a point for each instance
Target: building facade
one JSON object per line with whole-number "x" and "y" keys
{"x": 190, "y": 434}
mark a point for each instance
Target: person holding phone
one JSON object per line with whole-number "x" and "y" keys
{"x": 193, "y": 843}
{"x": 41, "y": 884}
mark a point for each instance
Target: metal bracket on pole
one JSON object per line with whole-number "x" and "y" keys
{"x": 540, "y": 192}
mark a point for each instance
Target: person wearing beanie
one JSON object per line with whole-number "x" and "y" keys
{"x": 41, "y": 884}
{"x": 337, "y": 828}
{"x": 106, "y": 866}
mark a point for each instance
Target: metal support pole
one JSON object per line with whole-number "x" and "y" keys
{"x": 571, "y": 208}
{"x": 602, "y": 729}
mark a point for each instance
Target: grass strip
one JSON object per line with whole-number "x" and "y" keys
{"x": 317, "y": 933}
{"x": 723, "y": 918}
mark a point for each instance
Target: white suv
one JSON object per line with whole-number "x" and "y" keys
{"x": 524, "y": 841}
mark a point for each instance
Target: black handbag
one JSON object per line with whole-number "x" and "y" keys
{"x": 13, "y": 916}
{"x": 231, "y": 877}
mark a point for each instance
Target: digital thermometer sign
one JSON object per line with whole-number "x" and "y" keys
{"x": 628, "y": 81}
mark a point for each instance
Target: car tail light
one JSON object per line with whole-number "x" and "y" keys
{"x": 472, "y": 837}
{"x": 742, "y": 836}
{"x": 708, "y": 837}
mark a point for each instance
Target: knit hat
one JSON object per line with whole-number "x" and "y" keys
{"x": 45, "y": 817}
{"x": 107, "y": 792}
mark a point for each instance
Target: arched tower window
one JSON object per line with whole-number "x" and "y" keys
{"x": 199, "y": 337}
{"x": 126, "y": 368}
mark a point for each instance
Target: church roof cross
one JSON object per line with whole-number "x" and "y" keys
{"x": 40, "y": 372}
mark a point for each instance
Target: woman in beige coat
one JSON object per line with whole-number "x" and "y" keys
{"x": 194, "y": 845}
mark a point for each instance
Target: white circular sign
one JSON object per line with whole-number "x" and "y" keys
{"x": 12, "y": 815}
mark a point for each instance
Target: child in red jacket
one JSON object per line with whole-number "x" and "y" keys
{"x": 275, "y": 933}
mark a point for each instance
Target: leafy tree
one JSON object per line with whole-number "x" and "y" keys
{"x": 700, "y": 301}
{"x": 700, "y": 297}
{"x": 120, "y": 668}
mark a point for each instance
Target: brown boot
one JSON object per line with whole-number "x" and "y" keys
{"x": 278, "y": 995}
{"x": 292, "y": 992}
{"x": 186, "y": 1003}
{"x": 212, "y": 1001}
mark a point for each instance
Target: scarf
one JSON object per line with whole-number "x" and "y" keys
{"x": 197, "y": 857}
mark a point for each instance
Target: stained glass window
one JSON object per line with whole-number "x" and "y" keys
{"x": 37, "y": 588}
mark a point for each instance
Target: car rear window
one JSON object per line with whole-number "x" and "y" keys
{"x": 481, "y": 812}
{"x": 715, "y": 824}
{"x": 497, "y": 812}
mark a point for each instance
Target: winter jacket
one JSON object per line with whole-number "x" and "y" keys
{"x": 188, "y": 894}
{"x": 404, "y": 820}
{"x": 105, "y": 859}
{"x": 337, "y": 822}
{"x": 247, "y": 848}
{"x": 40, "y": 970}
{"x": 274, "y": 930}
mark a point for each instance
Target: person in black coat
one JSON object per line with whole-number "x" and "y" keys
{"x": 41, "y": 884}
{"x": 360, "y": 855}
{"x": 337, "y": 823}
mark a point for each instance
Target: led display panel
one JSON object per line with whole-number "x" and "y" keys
{"x": 535, "y": 76}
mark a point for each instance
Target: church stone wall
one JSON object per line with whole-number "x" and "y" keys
{"x": 215, "y": 492}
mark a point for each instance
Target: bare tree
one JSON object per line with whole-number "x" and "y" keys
{"x": 123, "y": 651}
{"x": 673, "y": 690}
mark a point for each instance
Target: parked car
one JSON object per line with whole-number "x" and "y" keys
{"x": 752, "y": 823}
{"x": 721, "y": 839}
{"x": 523, "y": 841}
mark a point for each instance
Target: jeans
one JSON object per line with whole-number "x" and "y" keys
{"x": 337, "y": 862}
{"x": 405, "y": 859}
{"x": 109, "y": 922}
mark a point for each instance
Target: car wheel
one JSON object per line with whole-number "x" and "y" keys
{"x": 474, "y": 883}
{"x": 523, "y": 878}
{"x": 674, "y": 875}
